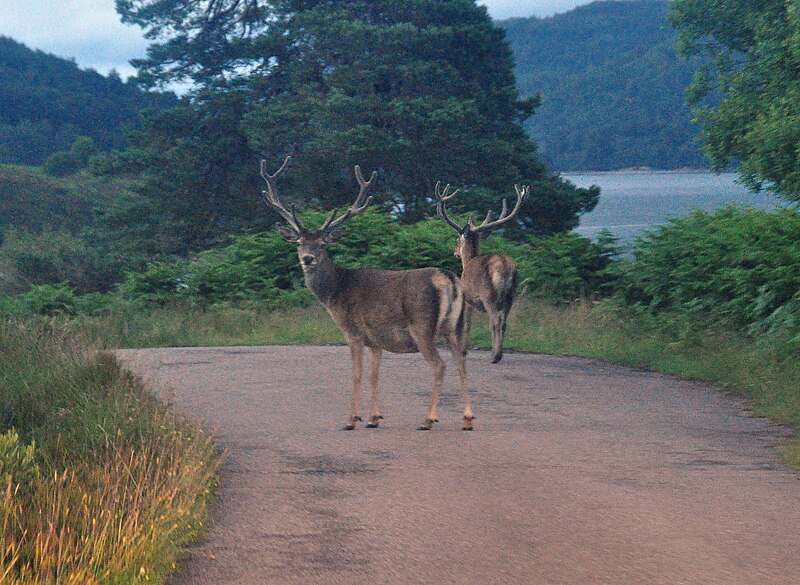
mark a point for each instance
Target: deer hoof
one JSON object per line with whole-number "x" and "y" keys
{"x": 467, "y": 426}
{"x": 349, "y": 427}
{"x": 427, "y": 424}
{"x": 497, "y": 357}
{"x": 374, "y": 421}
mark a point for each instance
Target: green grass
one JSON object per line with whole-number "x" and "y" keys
{"x": 599, "y": 331}
{"x": 128, "y": 327}
{"x": 104, "y": 483}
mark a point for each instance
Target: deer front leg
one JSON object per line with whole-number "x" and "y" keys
{"x": 374, "y": 366}
{"x": 357, "y": 355}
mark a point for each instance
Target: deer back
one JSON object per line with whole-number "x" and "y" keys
{"x": 387, "y": 309}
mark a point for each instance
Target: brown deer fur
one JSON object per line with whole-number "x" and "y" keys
{"x": 401, "y": 311}
{"x": 489, "y": 281}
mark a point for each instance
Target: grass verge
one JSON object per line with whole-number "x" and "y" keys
{"x": 101, "y": 483}
{"x": 759, "y": 372}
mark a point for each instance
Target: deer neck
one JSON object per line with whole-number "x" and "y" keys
{"x": 471, "y": 247}
{"x": 325, "y": 280}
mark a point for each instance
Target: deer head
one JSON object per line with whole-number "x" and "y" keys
{"x": 311, "y": 245}
{"x": 470, "y": 234}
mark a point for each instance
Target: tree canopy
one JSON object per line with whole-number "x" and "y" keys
{"x": 753, "y": 47}
{"x": 420, "y": 90}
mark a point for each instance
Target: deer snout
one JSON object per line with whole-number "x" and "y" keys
{"x": 307, "y": 259}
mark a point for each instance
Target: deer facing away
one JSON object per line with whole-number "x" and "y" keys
{"x": 489, "y": 281}
{"x": 402, "y": 311}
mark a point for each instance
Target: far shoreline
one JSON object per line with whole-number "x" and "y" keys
{"x": 649, "y": 171}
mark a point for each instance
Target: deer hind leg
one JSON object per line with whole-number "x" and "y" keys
{"x": 374, "y": 366}
{"x": 498, "y": 319}
{"x": 467, "y": 328}
{"x": 357, "y": 355}
{"x": 428, "y": 350}
{"x": 461, "y": 364}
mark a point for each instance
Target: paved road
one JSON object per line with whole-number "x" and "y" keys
{"x": 578, "y": 472}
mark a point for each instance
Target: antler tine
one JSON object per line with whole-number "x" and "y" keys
{"x": 443, "y": 195}
{"x": 359, "y": 205}
{"x": 364, "y": 185}
{"x": 271, "y": 196}
{"x": 441, "y": 209}
{"x": 522, "y": 193}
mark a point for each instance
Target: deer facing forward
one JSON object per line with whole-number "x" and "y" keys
{"x": 489, "y": 281}
{"x": 402, "y": 311}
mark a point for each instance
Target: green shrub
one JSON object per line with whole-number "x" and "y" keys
{"x": 563, "y": 267}
{"x": 160, "y": 283}
{"x": 737, "y": 268}
{"x": 17, "y": 461}
{"x": 262, "y": 269}
{"x": 51, "y": 257}
{"x": 69, "y": 162}
{"x": 49, "y": 300}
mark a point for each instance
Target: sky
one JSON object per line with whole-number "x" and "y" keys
{"x": 90, "y": 32}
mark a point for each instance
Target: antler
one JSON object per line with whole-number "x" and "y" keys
{"x": 441, "y": 198}
{"x": 271, "y": 197}
{"x": 486, "y": 225}
{"x": 359, "y": 205}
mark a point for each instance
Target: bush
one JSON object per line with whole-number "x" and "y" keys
{"x": 563, "y": 267}
{"x": 53, "y": 257}
{"x": 61, "y": 164}
{"x": 17, "y": 461}
{"x": 262, "y": 269}
{"x": 48, "y": 300}
{"x": 738, "y": 268}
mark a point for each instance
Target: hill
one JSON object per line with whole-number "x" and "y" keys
{"x": 611, "y": 84}
{"x": 46, "y": 102}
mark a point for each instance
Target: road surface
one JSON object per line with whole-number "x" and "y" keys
{"x": 578, "y": 472}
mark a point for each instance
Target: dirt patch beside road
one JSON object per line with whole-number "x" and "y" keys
{"x": 578, "y": 472}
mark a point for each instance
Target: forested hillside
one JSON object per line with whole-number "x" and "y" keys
{"x": 46, "y": 102}
{"x": 611, "y": 84}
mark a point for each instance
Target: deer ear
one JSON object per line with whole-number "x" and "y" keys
{"x": 288, "y": 234}
{"x": 334, "y": 235}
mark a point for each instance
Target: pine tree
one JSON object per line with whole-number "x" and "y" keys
{"x": 420, "y": 90}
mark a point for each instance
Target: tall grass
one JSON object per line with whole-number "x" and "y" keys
{"x": 116, "y": 481}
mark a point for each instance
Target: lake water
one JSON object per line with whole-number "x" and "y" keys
{"x": 631, "y": 203}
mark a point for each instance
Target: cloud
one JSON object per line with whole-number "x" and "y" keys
{"x": 510, "y": 8}
{"x": 87, "y": 30}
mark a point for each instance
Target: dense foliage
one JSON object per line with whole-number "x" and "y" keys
{"x": 420, "y": 90}
{"x": 612, "y": 87}
{"x": 260, "y": 270}
{"x": 753, "y": 48}
{"x": 47, "y": 102}
{"x": 80, "y": 229}
{"x": 33, "y": 201}
{"x": 738, "y": 268}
